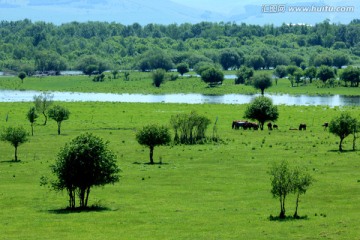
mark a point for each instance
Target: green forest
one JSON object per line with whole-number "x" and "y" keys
{"x": 27, "y": 46}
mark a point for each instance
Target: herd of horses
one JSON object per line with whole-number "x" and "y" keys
{"x": 244, "y": 124}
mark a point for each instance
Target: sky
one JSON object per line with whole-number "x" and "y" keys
{"x": 164, "y": 11}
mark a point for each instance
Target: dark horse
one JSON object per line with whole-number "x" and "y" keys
{"x": 302, "y": 126}
{"x": 275, "y": 126}
{"x": 270, "y": 126}
{"x": 251, "y": 125}
{"x": 236, "y": 124}
{"x": 325, "y": 125}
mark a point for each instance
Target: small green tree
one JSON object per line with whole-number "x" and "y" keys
{"x": 212, "y": 76}
{"x": 182, "y": 68}
{"x": 32, "y": 116}
{"x": 83, "y": 163}
{"x": 42, "y": 103}
{"x": 280, "y": 71}
{"x": 262, "y": 110}
{"x": 310, "y": 73}
{"x": 158, "y": 77}
{"x": 281, "y": 183}
{"x": 343, "y": 126}
{"x": 153, "y": 135}
{"x": 115, "y": 73}
{"x": 297, "y": 75}
{"x": 243, "y": 74}
{"x": 351, "y": 74}
{"x": 59, "y": 114}
{"x": 262, "y": 81}
{"x": 127, "y": 76}
{"x": 301, "y": 182}
{"x": 15, "y": 136}
{"x": 22, "y": 76}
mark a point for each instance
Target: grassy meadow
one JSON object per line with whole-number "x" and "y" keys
{"x": 210, "y": 191}
{"x": 141, "y": 82}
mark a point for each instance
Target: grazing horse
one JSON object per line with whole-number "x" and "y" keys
{"x": 236, "y": 124}
{"x": 275, "y": 126}
{"x": 302, "y": 126}
{"x": 251, "y": 125}
{"x": 325, "y": 125}
{"x": 270, "y": 126}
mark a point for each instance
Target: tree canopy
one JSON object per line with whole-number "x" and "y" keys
{"x": 84, "y": 163}
{"x": 261, "y": 109}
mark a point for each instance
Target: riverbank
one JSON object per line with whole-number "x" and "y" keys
{"x": 141, "y": 83}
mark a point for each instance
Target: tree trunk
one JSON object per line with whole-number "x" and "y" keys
{"x": 87, "y": 196}
{"x": 340, "y": 144}
{"x": 16, "y": 158}
{"x": 59, "y": 126}
{"x": 296, "y": 206}
{"x": 45, "y": 118}
{"x": 32, "y": 129}
{"x": 282, "y": 212}
{"x": 262, "y": 91}
{"x": 151, "y": 154}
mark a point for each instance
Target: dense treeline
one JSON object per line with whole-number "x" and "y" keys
{"x": 27, "y": 46}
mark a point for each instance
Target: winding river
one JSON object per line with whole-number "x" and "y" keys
{"x": 191, "y": 98}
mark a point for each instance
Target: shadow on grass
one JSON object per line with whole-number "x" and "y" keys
{"x": 10, "y": 161}
{"x": 287, "y": 218}
{"x": 79, "y": 210}
{"x": 343, "y": 151}
{"x": 148, "y": 163}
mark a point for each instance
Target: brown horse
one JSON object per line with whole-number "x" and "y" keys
{"x": 275, "y": 126}
{"x": 325, "y": 125}
{"x": 270, "y": 126}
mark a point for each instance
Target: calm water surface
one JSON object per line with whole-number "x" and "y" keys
{"x": 192, "y": 98}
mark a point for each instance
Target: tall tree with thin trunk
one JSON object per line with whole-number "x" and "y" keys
{"x": 42, "y": 104}
{"x": 301, "y": 182}
{"x": 152, "y": 136}
{"x": 59, "y": 114}
{"x": 15, "y": 136}
{"x": 343, "y": 126}
{"x": 32, "y": 116}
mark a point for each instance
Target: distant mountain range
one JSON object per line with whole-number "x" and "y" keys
{"x": 167, "y": 12}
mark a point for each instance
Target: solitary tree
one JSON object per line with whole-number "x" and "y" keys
{"x": 22, "y": 76}
{"x": 262, "y": 110}
{"x": 343, "y": 126}
{"x": 301, "y": 182}
{"x": 158, "y": 77}
{"x": 182, "y": 68}
{"x": 281, "y": 183}
{"x": 152, "y": 136}
{"x": 59, "y": 114}
{"x": 32, "y": 116}
{"x": 15, "y": 136}
{"x": 262, "y": 81}
{"x": 42, "y": 103}
{"x": 83, "y": 163}
{"x": 212, "y": 76}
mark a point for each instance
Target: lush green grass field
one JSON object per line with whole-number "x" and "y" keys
{"x": 211, "y": 191}
{"x": 142, "y": 83}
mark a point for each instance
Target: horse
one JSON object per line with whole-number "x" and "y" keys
{"x": 236, "y": 124}
{"x": 325, "y": 125}
{"x": 302, "y": 126}
{"x": 251, "y": 125}
{"x": 275, "y": 126}
{"x": 270, "y": 126}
